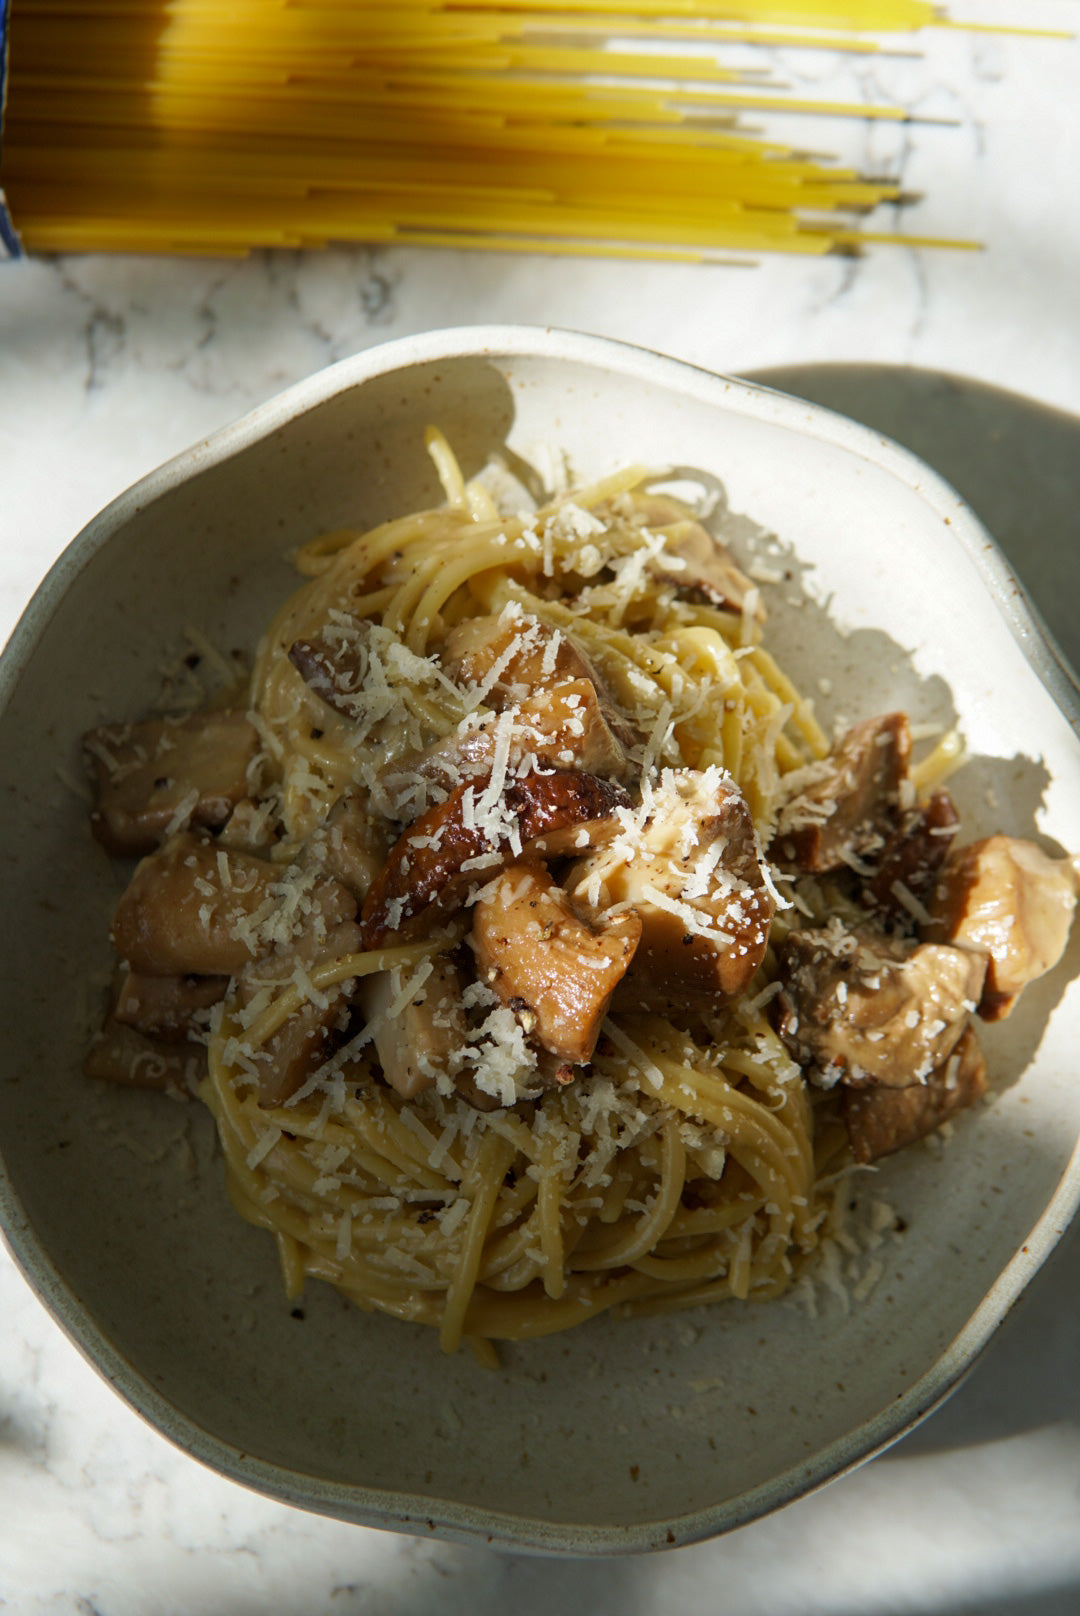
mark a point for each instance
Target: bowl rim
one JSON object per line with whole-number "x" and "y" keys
{"x": 465, "y": 1522}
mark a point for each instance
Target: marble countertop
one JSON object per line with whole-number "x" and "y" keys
{"x": 108, "y": 366}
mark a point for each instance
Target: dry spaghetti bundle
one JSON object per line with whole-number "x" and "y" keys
{"x": 585, "y": 127}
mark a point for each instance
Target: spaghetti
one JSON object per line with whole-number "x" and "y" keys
{"x": 508, "y": 1030}
{"x": 486, "y": 1223}
{"x": 189, "y": 127}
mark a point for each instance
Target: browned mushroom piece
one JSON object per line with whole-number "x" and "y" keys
{"x": 307, "y": 1038}
{"x": 301, "y": 1045}
{"x": 694, "y": 876}
{"x": 462, "y": 842}
{"x": 851, "y": 803}
{"x": 166, "y": 773}
{"x": 351, "y": 846}
{"x": 185, "y": 909}
{"x": 564, "y": 812}
{"x": 881, "y": 1120}
{"x": 415, "y": 1046}
{"x": 335, "y": 664}
{"x": 561, "y": 728}
{"x": 1008, "y": 899}
{"x": 912, "y": 856}
{"x": 512, "y": 657}
{"x": 469, "y": 1090}
{"x": 168, "y": 1008}
{"x": 120, "y": 1054}
{"x": 567, "y": 727}
{"x": 694, "y": 562}
{"x": 859, "y": 1007}
{"x": 250, "y": 828}
{"x": 552, "y": 967}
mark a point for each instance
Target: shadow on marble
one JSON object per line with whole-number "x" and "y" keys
{"x": 17, "y": 1435}
{"x": 471, "y": 1583}
{"x": 1063, "y": 1600}
{"x": 445, "y": 1580}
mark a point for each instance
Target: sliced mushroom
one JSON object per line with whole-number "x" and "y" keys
{"x": 351, "y": 846}
{"x": 693, "y": 561}
{"x": 169, "y": 1008}
{"x": 250, "y": 828}
{"x": 881, "y": 1120}
{"x": 562, "y": 728}
{"x": 554, "y": 969}
{"x": 1006, "y": 898}
{"x": 184, "y": 909}
{"x": 693, "y": 874}
{"x": 464, "y": 840}
{"x": 416, "y": 1046}
{"x": 120, "y": 1054}
{"x": 334, "y": 665}
{"x": 858, "y": 1007}
{"x": 469, "y": 1090}
{"x": 165, "y": 774}
{"x": 515, "y": 657}
{"x": 564, "y": 811}
{"x": 912, "y": 857}
{"x": 847, "y": 806}
{"x": 305, "y": 1040}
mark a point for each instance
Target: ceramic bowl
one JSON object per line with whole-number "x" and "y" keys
{"x": 623, "y": 1435}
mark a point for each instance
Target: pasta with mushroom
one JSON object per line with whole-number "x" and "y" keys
{"x": 488, "y": 901}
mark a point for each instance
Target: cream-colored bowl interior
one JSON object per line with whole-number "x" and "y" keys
{"x": 620, "y": 1434}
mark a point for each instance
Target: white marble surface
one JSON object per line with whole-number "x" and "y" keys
{"x": 109, "y": 366}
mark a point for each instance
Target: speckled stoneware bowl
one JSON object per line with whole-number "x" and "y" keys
{"x": 621, "y": 1435}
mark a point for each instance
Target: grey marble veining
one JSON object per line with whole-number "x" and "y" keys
{"x": 109, "y": 366}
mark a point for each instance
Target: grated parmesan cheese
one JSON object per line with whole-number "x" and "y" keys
{"x": 262, "y": 1148}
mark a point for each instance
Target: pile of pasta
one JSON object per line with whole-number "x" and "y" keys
{"x": 533, "y": 949}
{"x": 680, "y": 1167}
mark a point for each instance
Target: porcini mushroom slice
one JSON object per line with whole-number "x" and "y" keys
{"x": 416, "y": 1044}
{"x": 1010, "y": 900}
{"x": 120, "y": 1054}
{"x": 334, "y": 664}
{"x": 911, "y": 858}
{"x": 562, "y": 728}
{"x": 306, "y": 1039}
{"x": 250, "y": 828}
{"x": 694, "y": 561}
{"x": 302, "y": 1044}
{"x": 858, "y": 1007}
{"x": 693, "y": 874}
{"x": 554, "y": 969}
{"x": 880, "y": 1120}
{"x": 463, "y": 840}
{"x": 512, "y": 657}
{"x": 169, "y": 1008}
{"x": 848, "y": 805}
{"x": 351, "y": 847}
{"x": 184, "y": 909}
{"x": 191, "y": 771}
{"x": 361, "y": 669}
